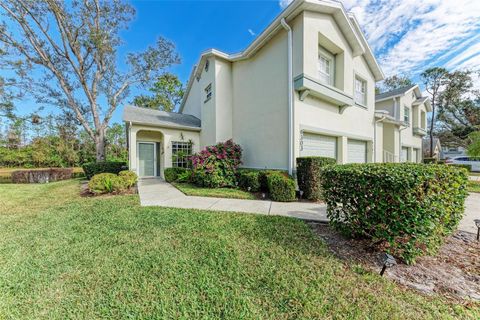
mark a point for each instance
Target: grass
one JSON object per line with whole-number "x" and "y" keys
{"x": 477, "y": 174}
{"x": 62, "y": 256}
{"x": 5, "y": 173}
{"x": 231, "y": 193}
{"x": 473, "y": 186}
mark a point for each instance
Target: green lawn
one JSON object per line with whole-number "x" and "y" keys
{"x": 473, "y": 186}
{"x": 193, "y": 190}
{"x": 62, "y": 256}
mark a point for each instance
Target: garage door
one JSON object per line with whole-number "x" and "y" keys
{"x": 414, "y": 155}
{"x": 318, "y": 145}
{"x": 404, "y": 155}
{"x": 357, "y": 151}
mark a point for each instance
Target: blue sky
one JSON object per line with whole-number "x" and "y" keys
{"x": 407, "y": 36}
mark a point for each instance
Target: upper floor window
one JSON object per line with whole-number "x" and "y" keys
{"x": 360, "y": 91}
{"x": 208, "y": 92}
{"x": 423, "y": 120}
{"x": 181, "y": 152}
{"x": 406, "y": 114}
{"x": 326, "y": 66}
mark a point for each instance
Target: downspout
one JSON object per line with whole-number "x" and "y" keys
{"x": 290, "y": 95}
{"x": 375, "y": 135}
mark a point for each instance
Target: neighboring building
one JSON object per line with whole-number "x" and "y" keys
{"x": 402, "y": 113}
{"x": 452, "y": 152}
{"x": 437, "y": 148}
{"x": 305, "y": 86}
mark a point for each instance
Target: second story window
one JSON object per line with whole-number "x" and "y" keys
{"x": 326, "y": 66}
{"x": 208, "y": 92}
{"x": 360, "y": 91}
{"x": 406, "y": 115}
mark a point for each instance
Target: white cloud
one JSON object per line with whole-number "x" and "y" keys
{"x": 411, "y": 35}
{"x": 284, "y": 3}
{"x": 252, "y": 33}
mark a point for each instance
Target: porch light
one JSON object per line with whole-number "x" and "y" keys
{"x": 263, "y": 195}
{"x": 477, "y": 223}
{"x": 301, "y": 194}
{"x": 388, "y": 262}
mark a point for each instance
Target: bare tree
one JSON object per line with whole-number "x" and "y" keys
{"x": 74, "y": 45}
{"x": 434, "y": 80}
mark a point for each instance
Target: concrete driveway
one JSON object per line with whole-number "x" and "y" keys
{"x": 472, "y": 212}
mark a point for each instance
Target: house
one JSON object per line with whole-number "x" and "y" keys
{"x": 437, "y": 148}
{"x": 305, "y": 86}
{"x": 402, "y": 113}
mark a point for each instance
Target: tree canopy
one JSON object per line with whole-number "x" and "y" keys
{"x": 72, "y": 47}
{"x": 167, "y": 94}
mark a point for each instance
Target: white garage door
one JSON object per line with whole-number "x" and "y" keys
{"x": 318, "y": 145}
{"x": 357, "y": 151}
{"x": 414, "y": 155}
{"x": 404, "y": 155}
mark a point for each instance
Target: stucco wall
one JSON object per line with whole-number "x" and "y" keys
{"x": 223, "y": 100}
{"x": 193, "y": 101}
{"x": 318, "y": 116}
{"x": 165, "y": 136}
{"x": 260, "y": 122}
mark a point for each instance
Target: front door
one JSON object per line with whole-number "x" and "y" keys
{"x": 146, "y": 159}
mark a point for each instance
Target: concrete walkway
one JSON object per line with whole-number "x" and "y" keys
{"x": 156, "y": 192}
{"x": 474, "y": 178}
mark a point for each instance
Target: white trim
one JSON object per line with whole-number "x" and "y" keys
{"x": 325, "y": 132}
{"x": 154, "y": 158}
{"x": 348, "y": 26}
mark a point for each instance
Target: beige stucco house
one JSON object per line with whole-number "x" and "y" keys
{"x": 304, "y": 86}
{"x": 402, "y": 117}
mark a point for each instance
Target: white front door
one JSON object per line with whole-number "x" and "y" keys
{"x": 146, "y": 159}
{"x": 357, "y": 151}
{"x": 414, "y": 155}
{"x": 404, "y": 155}
{"x": 318, "y": 145}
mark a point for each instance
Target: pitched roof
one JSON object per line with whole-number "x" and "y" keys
{"x": 160, "y": 118}
{"x": 346, "y": 22}
{"x": 394, "y": 93}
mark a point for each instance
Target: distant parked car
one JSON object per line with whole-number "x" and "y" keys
{"x": 473, "y": 161}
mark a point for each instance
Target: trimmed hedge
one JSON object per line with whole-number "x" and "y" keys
{"x": 94, "y": 168}
{"x": 249, "y": 180}
{"x": 171, "y": 174}
{"x": 408, "y": 208}
{"x": 41, "y": 176}
{"x": 309, "y": 175}
{"x": 281, "y": 187}
{"x": 464, "y": 166}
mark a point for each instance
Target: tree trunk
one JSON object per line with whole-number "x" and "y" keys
{"x": 100, "y": 145}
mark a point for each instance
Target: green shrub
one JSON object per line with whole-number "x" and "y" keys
{"x": 263, "y": 175}
{"x": 106, "y": 183}
{"x": 408, "y": 208}
{"x": 129, "y": 178}
{"x": 430, "y": 160}
{"x": 464, "y": 166}
{"x": 281, "y": 187}
{"x": 309, "y": 175}
{"x": 216, "y": 166}
{"x": 185, "y": 176}
{"x": 171, "y": 174}
{"x": 249, "y": 180}
{"x": 94, "y": 168}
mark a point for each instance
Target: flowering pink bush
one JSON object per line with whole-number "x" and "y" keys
{"x": 215, "y": 166}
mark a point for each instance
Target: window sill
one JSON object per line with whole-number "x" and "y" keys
{"x": 208, "y": 99}
{"x": 361, "y": 105}
{"x": 309, "y": 86}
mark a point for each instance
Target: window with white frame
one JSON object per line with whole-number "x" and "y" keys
{"x": 326, "y": 66}
{"x": 208, "y": 92}
{"x": 360, "y": 91}
{"x": 406, "y": 115}
{"x": 181, "y": 152}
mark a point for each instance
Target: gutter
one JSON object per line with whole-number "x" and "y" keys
{"x": 290, "y": 94}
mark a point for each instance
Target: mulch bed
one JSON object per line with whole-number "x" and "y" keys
{"x": 454, "y": 272}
